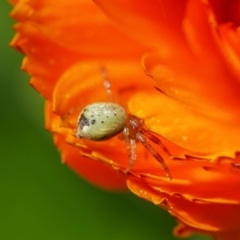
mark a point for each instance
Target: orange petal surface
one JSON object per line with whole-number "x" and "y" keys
{"x": 190, "y": 102}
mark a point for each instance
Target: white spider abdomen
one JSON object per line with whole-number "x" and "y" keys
{"x": 100, "y": 121}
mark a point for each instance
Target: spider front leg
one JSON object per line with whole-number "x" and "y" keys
{"x": 155, "y": 140}
{"x": 131, "y": 148}
{"x": 137, "y": 124}
{"x": 72, "y": 109}
{"x": 142, "y": 135}
{"x": 144, "y": 140}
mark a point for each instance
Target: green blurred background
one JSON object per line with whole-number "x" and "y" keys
{"x": 43, "y": 199}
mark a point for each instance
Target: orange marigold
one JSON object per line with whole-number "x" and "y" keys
{"x": 191, "y": 50}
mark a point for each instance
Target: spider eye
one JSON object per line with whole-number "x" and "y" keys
{"x": 101, "y": 121}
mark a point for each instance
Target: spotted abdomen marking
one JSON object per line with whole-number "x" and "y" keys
{"x": 100, "y": 121}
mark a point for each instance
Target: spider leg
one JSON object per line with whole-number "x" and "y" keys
{"x": 155, "y": 140}
{"x": 106, "y": 83}
{"x": 144, "y": 140}
{"x": 72, "y": 109}
{"x": 131, "y": 148}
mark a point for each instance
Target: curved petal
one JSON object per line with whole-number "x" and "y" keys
{"x": 159, "y": 21}
{"x": 93, "y": 171}
{"x": 46, "y": 41}
{"x": 230, "y": 40}
{"x": 44, "y": 60}
{"x": 85, "y": 78}
{"x": 197, "y": 210}
{"x": 214, "y": 91}
{"x": 206, "y": 73}
{"x": 58, "y": 20}
{"x": 185, "y": 127}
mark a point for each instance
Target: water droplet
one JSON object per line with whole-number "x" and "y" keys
{"x": 236, "y": 165}
{"x": 185, "y": 138}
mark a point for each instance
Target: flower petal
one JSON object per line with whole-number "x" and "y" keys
{"x": 159, "y": 21}
{"x": 205, "y": 73}
{"x": 44, "y": 61}
{"x": 82, "y": 84}
{"x": 58, "y": 20}
{"x": 46, "y": 41}
{"x": 193, "y": 57}
{"x": 196, "y": 193}
{"x": 185, "y": 127}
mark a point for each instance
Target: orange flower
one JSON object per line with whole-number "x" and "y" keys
{"x": 191, "y": 50}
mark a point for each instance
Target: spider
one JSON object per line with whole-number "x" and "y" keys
{"x": 103, "y": 120}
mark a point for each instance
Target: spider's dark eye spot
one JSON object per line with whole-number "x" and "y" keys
{"x": 83, "y": 121}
